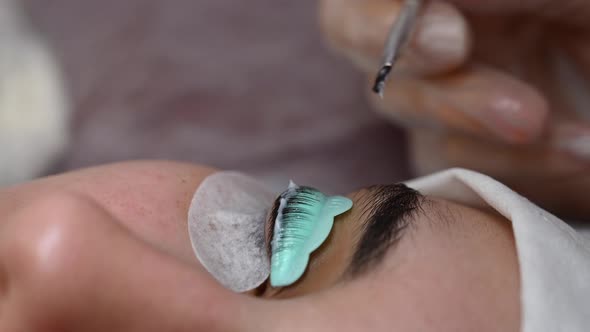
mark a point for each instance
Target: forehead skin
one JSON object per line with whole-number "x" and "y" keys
{"x": 455, "y": 270}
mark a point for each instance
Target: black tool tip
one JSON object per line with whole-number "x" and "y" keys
{"x": 381, "y": 78}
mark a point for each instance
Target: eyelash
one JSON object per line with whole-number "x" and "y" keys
{"x": 293, "y": 217}
{"x": 391, "y": 211}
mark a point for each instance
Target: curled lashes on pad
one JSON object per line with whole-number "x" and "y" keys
{"x": 291, "y": 215}
{"x": 301, "y": 220}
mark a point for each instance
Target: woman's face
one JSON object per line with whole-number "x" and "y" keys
{"x": 108, "y": 249}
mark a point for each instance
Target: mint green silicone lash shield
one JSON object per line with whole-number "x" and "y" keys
{"x": 304, "y": 220}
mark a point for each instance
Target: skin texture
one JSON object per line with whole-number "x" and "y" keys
{"x": 107, "y": 249}
{"x": 480, "y": 86}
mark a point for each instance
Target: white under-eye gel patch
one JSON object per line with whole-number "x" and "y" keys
{"x": 226, "y": 223}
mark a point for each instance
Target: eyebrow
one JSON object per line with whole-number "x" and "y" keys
{"x": 389, "y": 211}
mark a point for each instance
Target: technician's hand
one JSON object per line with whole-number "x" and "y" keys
{"x": 500, "y": 86}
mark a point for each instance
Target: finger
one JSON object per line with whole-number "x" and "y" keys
{"x": 524, "y": 163}
{"x": 541, "y": 173}
{"x": 149, "y": 198}
{"x": 440, "y": 42}
{"x": 568, "y": 11}
{"x": 573, "y": 139}
{"x": 477, "y": 100}
{"x": 570, "y": 122}
{"x": 574, "y": 75}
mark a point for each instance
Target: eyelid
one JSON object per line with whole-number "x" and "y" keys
{"x": 388, "y": 211}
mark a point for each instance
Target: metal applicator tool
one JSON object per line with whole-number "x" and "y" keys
{"x": 400, "y": 31}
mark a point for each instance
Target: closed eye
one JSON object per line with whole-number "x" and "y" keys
{"x": 389, "y": 210}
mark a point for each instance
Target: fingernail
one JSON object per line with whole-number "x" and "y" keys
{"x": 507, "y": 118}
{"x": 577, "y": 146}
{"x": 443, "y": 34}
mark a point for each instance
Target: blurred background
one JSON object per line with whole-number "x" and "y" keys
{"x": 244, "y": 85}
